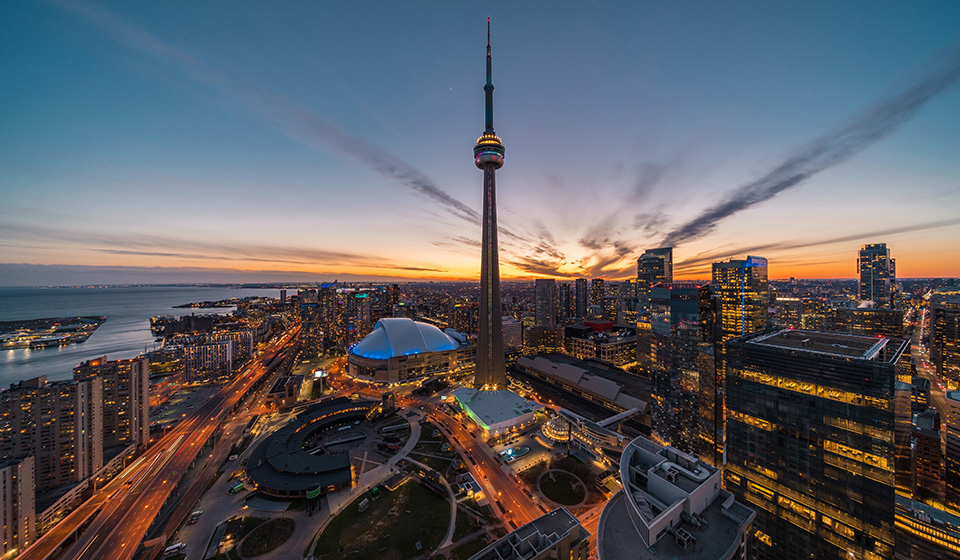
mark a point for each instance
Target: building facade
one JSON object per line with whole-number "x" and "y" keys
{"x": 208, "y": 362}
{"x": 810, "y": 441}
{"x": 512, "y": 335}
{"x": 60, "y": 424}
{"x": 869, "y": 321}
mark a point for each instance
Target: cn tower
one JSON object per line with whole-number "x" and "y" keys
{"x": 488, "y": 156}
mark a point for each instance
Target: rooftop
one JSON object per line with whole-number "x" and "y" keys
{"x": 535, "y": 537}
{"x": 667, "y": 496}
{"x": 493, "y": 407}
{"x": 617, "y": 538}
{"x": 280, "y": 462}
{"x": 399, "y": 336}
{"x": 841, "y": 345}
{"x": 619, "y": 388}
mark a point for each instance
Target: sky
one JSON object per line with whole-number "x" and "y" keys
{"x": 250, "y": 141}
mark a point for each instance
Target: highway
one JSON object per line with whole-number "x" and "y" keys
{"x": 136, "y": 496}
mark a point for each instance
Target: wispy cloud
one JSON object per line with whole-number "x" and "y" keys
{"x": 283, "y": 114}
{"x": 699, "y": 262}
{"x": 14, "y": 274}
{"x": 825, "y": 152}
{"x": 146, "y": 245}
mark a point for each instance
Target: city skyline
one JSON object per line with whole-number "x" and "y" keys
{"x": 185, "y": 144}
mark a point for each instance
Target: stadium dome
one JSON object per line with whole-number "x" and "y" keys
{"x": 402, "y": 337}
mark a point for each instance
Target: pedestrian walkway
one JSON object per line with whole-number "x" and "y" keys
{"x": 337, "y": 501}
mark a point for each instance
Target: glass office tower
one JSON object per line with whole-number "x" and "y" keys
{"x": 683, "y": 398}
{"x": 810, "y": 441}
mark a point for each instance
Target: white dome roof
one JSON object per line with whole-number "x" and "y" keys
{"x": 402, "y": 337}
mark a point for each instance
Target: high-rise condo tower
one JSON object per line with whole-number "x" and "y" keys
{"x": 488, "y": 156}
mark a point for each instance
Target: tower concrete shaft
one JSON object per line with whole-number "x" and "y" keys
{"x": 488, "y": 156}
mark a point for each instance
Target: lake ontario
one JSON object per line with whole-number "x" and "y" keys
{"x": 125, "y": 333}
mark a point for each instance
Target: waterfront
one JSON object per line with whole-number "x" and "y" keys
{"x": 125, "y": 333}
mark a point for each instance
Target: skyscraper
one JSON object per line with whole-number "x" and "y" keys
{"x": 488, "y": 156}
{"x": 653, "y": 267}
{"x": 566, "y": 303}
{"x": 810, "y": 441}
{"x": 581, "y": 298}
{"x": 878, "y": 275}
{"x": 597, "y": 292}
{"x": 740, "y": 289}
{"x": 682, "y": 367}
{"x": 545, "y": 302}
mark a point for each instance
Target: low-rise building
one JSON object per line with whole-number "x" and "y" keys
{"x": 496, "y": 412}
{"x": 585, "y": 381}
{"x": 584, "y": 436}
{"x": 616, "y": 345}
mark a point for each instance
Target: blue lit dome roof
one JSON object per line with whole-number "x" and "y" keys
{"x": 402, "y": 337}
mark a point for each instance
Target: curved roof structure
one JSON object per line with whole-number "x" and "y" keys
{"x": 280, "y": 465}
{"x": 397, "y": 336}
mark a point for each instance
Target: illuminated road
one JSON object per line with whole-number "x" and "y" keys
{"x": 919, "y": 355}
{"x": 518, "y": 506}
{"x": 501, "y": 488}
{"x": 120, "y": 526}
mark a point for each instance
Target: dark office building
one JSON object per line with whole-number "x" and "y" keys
{"x": 927, "y": 459}
{"x": 580, "y": 297}
{"x": 566, "y": 301}
{"x": 944, "y": 331}
{"x": 810, "y": 441}
{"x": 683, "y": 400}
{"x": 545, "y": 292}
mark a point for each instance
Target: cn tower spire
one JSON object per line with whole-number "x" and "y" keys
{"x": 488, "y": 156}
{"x": 488, "y": 88}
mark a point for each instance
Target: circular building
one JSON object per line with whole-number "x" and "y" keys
{"x": 399, "y": 350}
{"x": 281, "y": 467}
